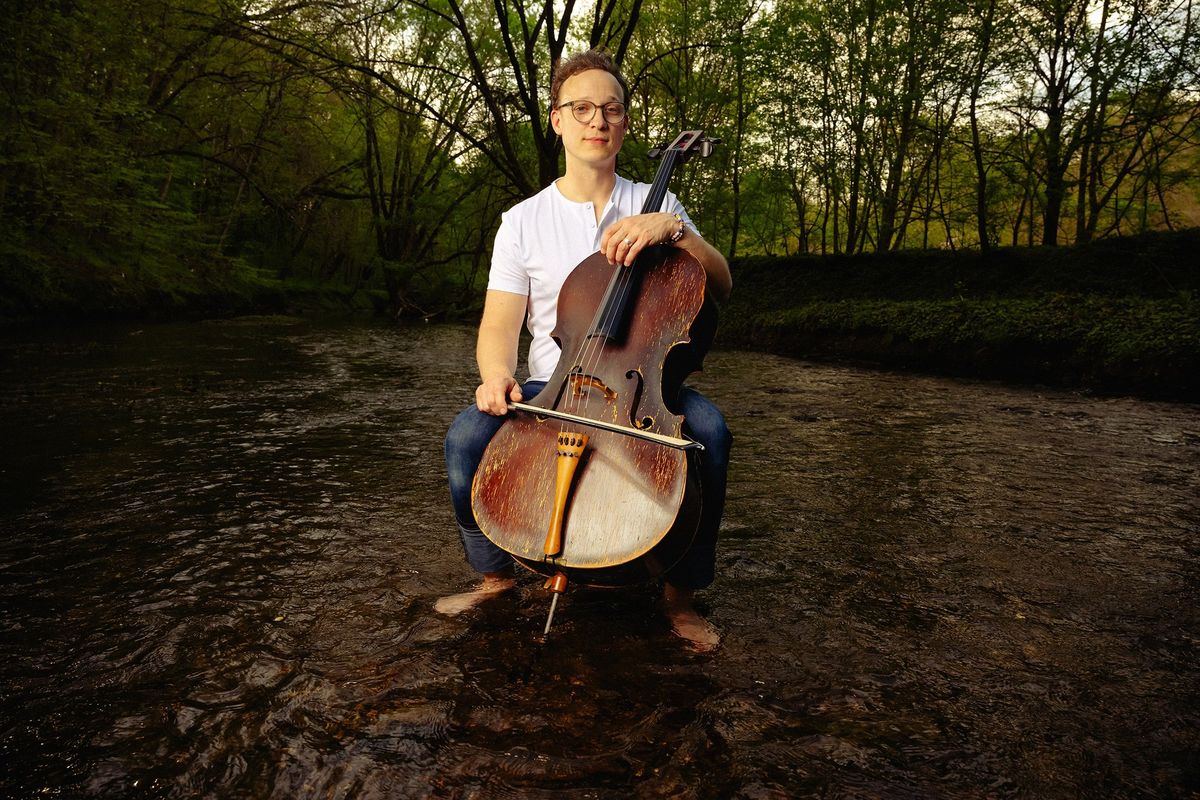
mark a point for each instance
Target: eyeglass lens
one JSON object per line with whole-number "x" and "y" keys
{"x": 584, "y": 110}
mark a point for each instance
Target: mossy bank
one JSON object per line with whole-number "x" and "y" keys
{"x": 1119, "y": 315}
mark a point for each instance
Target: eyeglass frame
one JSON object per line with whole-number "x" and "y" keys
{"x": 595, "y": 107}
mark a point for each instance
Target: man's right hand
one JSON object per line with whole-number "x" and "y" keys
{"x": 492, "y": 395}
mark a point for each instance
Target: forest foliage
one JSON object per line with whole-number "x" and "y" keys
{"x": 157, "y": 151}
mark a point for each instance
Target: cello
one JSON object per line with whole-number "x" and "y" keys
{"x": 592, "y": 480}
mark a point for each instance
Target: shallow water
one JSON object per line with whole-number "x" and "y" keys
{"x": 220, "y": 543}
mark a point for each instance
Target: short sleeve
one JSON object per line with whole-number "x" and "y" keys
{"x": 508, "y": 272}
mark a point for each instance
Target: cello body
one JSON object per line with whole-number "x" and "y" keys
{"x": 634, "y": 505}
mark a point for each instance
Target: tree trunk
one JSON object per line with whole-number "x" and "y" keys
{"x": 981, "y": 207}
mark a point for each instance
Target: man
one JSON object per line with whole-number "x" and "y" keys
{"x": 540, "y": 241}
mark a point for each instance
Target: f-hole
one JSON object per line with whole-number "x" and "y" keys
{"x": 639, "y": 385}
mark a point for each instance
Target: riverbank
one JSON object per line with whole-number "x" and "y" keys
{"x": 1115, "y": 316}
{"x": 82, "y": 287}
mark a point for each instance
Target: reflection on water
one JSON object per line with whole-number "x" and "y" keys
{"x": 219, "y": 545}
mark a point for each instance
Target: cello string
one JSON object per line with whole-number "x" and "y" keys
{"x": 620, "y": 289}
{"x": 590, "y": 353}
{"x": 622, "y": 283}
{"x": 591, "y": 350}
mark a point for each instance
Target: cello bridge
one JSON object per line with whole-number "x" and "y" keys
{"x": 580, "y": 383}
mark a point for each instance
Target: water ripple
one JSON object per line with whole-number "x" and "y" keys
{"x": 219, "y": 545}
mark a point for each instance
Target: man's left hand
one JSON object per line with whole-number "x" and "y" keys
{"x": 625, "y": 239}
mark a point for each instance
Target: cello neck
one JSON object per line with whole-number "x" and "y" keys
{"x": 671, "y": 155}
{"x": 612, "y": 315}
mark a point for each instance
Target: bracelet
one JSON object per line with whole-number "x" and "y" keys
{"x": 678, "y": 234}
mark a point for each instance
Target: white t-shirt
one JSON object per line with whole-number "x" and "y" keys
{"x": 545, "y": 237}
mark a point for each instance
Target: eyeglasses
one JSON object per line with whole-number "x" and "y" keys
{"x": 584, "y": 110}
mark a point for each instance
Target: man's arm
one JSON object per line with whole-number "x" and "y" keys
{"x": 496, "y": 351}
{"x": 624, "y": 239}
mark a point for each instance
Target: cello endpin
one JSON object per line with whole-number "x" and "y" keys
{"x": 550, "y": 616}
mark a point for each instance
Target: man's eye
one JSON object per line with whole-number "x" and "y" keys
{"x": 582, "y": 108}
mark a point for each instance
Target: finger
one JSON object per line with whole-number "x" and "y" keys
{"x": 615, "y": 232}
{"x": 634, "y": 249}
{"x": 485, "y": 399}
{"x": 610, "y": 248}
{"x": 611, "y": 238}
{"x": 496, "y": 406}
{"x": 621, "y": 250}
{"x": 515, "y": 393}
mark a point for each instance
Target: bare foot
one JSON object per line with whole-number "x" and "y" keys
{"x": 490, "y": 586}
{"x": 686, "y": 623}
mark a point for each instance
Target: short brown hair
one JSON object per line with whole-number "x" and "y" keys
{"x": 582, "y": 62}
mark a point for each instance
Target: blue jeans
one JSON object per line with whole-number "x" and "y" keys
{"x": 472, "y": 429}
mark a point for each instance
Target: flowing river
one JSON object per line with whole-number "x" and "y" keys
{"x": 220, "y": 544}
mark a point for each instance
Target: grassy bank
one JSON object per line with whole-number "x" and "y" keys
{"x": 1119, "y": 315}
{"x": 81, "y": 286}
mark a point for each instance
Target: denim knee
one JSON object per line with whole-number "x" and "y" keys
{"x": 466, "y": 441}
{"x": 706, "y": 424}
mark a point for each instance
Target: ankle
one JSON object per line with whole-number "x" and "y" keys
{"x": 502, "y": 577}
{"x": 677, "y": 597}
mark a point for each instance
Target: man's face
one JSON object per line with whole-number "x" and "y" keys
{"x": 597, "y": 140}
